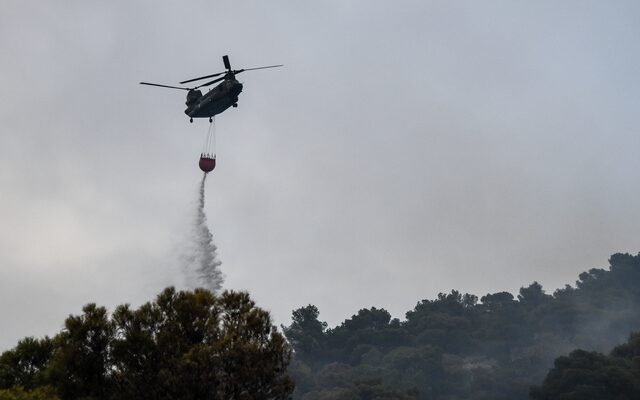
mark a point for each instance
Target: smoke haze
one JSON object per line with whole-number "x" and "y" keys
{"x": 429, "y": 145}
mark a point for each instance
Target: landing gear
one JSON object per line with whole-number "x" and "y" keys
{"x": 235, "y": 105}
{"x": 191, "y": 120}
{"x": 210, "y": 120}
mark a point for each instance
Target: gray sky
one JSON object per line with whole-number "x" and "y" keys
{"x": 407, "y": 148}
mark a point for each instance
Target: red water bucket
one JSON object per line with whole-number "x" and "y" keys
{"x": 207, "y": 164}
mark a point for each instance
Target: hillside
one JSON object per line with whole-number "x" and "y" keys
{"x": 459, "y": 346}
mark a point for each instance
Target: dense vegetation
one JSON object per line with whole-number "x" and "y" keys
{"x": 195, "y": 345}
{"x": 592, "y": 375}
{"x": 184, "y": 345}
{"x": 461, "y": 347}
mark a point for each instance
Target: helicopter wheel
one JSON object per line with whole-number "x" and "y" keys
{"x": 210, "y": 120}
{"x": 191, "y": 120}
{"x": 235, "y": 105}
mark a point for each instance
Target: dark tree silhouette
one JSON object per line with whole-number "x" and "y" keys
{"x": 586, "y": 375}
{"x": 184, "y": 345}
{"x": 454, "y": 347}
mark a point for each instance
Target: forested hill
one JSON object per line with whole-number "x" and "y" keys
{"x": 460, "y": 347}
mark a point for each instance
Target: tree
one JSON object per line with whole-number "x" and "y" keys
{"x": 368, "y": 319}
{"x": 24, "y": 366}
{"x": 80, "y": 365}
{"x": 194, "y": 345}
{"x": 592, "y": 375}
{"x": 306, "y": 332}
{"x": 184, "y": 345}
{"x": 629, "y": 350}
{"x": 253, "y": 353}
{"x": 533, "y": 295}
{"x": 497, "y": 302}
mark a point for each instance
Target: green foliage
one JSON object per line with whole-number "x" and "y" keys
{"x": 533, "y": 296}
{"x": 454, "y": 347}
{"x": 306, "y": 333}
{"x": 19, "y": 393}
{"x": 184, "y": 345}
{"x": 80, "y": 364}
{"x": 592, "y": 375}
{"x": 24, "y": 366}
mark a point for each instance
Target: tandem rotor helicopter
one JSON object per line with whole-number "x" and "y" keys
{"x": 216, "y": 100}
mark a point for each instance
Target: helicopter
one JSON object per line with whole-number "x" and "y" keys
{"x": 216, "y": 100}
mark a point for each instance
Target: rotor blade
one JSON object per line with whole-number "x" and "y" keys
{"x": 227, "y": 65}
{"x": 210, "y": 83}
{"x": 170, "y": 87}
{"x": 220, "y": 73}
{"x": 202, "y": 77}
{"x": 251, "y": 69}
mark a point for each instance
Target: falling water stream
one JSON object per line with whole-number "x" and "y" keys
{"x": 202, "y": 265}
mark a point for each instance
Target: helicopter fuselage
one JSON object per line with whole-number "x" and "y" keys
{"x": 214, "y": 101}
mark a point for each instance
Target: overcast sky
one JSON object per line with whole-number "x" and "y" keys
{"x": 406, "y": 148}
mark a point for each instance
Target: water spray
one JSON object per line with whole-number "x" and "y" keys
{"x": 202, "y": 264}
